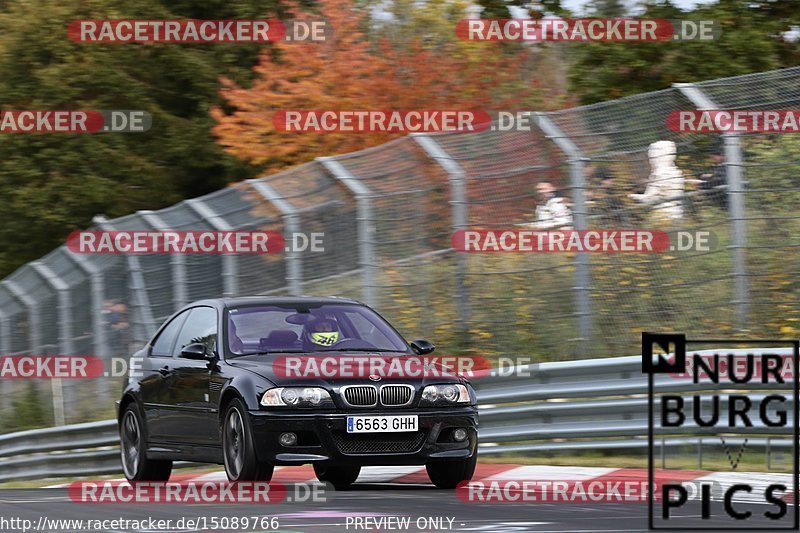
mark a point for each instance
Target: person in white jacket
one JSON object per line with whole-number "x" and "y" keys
{"x": 552, "y": 211}
{"x": 665, "y": 186}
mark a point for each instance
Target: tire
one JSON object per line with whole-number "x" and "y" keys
{"x": 448, "y": 474}
{"x": 339, "y": 476}
{"x": 133, "y": 449}
{"x": 238, "y": 446}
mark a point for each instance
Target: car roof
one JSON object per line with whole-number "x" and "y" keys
{"x": 277, "y": 300}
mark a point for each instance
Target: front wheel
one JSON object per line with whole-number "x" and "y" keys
{"x": 238, "y": 447}
{"x": 340, "y": 476}
{"x": 133, "y": 450}
{"x": 448, "y": 474}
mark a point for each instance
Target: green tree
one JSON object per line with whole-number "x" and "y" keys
{"x": 752, "y": 40}
{"x": 52, "y": 184}
{"x": 500, "y": 9}
{"x": 607, "y": 8}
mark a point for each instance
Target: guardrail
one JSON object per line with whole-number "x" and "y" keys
{"x": 598, "y": 404}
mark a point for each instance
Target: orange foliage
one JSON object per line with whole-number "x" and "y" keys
{"x": 349, "y": 72}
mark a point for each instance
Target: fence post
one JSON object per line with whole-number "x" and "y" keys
{"x": 699, "y": 453}
{"x": 5, "y": 333}
{"x": 769, "y": 455}
{"x": 458, "y": 201}
{"x": 96, "y": 276}
{"x": 291, "y": 225}
{"x": 733, "y": 174}
{"x": 34, "y": 323}
{"x": 65, "y": 344}
{"x": 733, "y": 170}
{"x": 137, "y": 286}
{"x": 366, "y": 225}
{"x": 97, "y": 280}
{"x": 5, "y": 348}
{"x": 577, "y": 183}
{"x": 230, "y": 282}
{"x": 177, "y": 262}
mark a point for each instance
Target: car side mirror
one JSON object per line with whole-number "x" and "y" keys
{"x": 197, "y": 352}
{"x": 421, "y": 347}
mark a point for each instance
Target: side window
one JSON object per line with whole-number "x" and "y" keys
{"x": 201, "y": 326}
{"x": 162, "y": 346}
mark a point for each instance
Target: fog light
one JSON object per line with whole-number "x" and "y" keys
{"x": 460, "y": 435}
{"x": 288, "y": 439}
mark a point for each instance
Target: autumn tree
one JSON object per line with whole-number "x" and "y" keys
{"x": 363, "y": 66}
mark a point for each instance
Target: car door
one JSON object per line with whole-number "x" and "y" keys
{"x": 156, "y": 371}
{"x": 187, "y": 403}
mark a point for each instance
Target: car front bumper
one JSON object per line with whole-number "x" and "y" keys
{"x": 323, "y": 437}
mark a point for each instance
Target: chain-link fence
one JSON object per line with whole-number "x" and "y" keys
{"x": 387, "y": 214}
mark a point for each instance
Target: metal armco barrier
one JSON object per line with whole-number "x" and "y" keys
{"x": 597, "y": 404}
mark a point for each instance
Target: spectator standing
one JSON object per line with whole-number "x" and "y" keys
{"x": 552, "y": 211}
{"x": 665, "y": 186}
{"x": 713, "y": 183}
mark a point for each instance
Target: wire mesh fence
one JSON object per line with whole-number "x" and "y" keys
{"x": 630, "y": 292}
{"x": 387, "y": 214}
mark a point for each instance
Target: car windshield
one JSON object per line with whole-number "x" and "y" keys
{"x": 309, "y": 328}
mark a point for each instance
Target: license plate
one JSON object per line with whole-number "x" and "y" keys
{"x": 382, "y": 424}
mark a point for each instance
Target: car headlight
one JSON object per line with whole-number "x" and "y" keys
{"x": 297, "y": 397}
{"x": 445, "y": 394}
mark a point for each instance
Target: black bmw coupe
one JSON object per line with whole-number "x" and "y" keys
{"x": 256, "y": 382}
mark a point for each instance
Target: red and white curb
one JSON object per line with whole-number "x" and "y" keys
{"x": 512, "y": 472}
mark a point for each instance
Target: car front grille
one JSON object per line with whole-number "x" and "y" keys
{"x": 396, "y": 394}
{"x": 361, "y": 395}
{"x": 363, "y": 443}
{"x": 367, "y": 395}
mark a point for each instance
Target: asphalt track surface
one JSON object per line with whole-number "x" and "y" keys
{"x": 366, "y": 500}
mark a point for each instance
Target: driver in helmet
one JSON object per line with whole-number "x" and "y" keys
{"x": 323, "y": 332}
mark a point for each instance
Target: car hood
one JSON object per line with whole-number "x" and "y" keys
{"x": 334, "y": 370}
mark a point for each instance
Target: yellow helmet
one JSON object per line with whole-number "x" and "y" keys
{"x": 325, "y": 338}
{"x": 324, "y": 332}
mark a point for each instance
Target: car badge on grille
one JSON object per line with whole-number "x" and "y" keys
{"x": 374, "y": 377}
